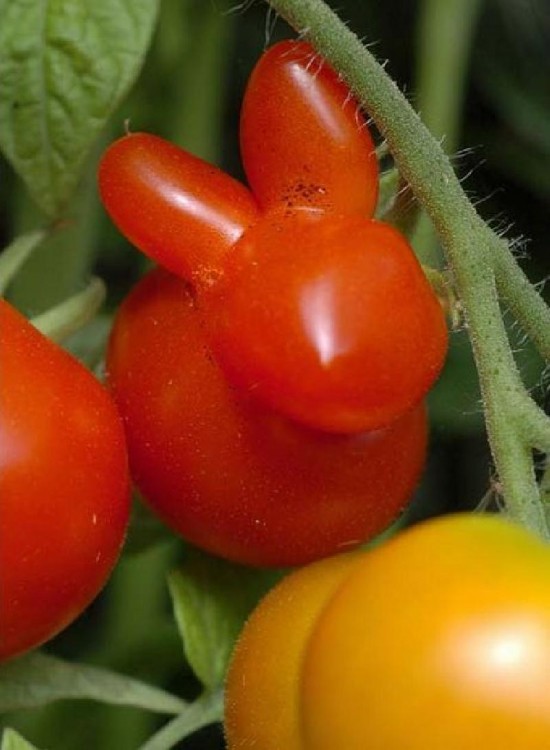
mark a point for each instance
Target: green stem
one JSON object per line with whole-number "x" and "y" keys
{"x": 16, "y": 254}
{"x": 445, "y": 35}
{"x": 61, "y": 321}
{"x": 532, "y": 423}
{"x": 196, "y": 122}
{"x": 469, "y": 244}
{"x": 444, "y": 39}
{"x": 503, "y": 398}
{"x": 545, "y": 485}
{"x": 137, "y": 586}
{"x": 66, "y": 256}
{"x": 525, "y": 303}
{"x": 208, "y": 709}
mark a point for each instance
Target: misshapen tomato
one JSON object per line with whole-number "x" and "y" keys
{"x": 439, "y": 638}
{"x": 64, "y": 490}
{"x": 230, "y": 475}
{"x": 325, "y": 314}
{"x": 327, "y": 318}
{"x": 303, "y": 139}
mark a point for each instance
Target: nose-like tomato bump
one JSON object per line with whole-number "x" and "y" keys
{"x": 329, "y": 319}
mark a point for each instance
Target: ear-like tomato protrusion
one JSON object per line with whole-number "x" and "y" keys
{"x": 304, "y": 142}
{"x": 176, "y": 208}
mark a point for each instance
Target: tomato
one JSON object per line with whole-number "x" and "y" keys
{"x": 64, "y": 490}
{"x": 225, "y": 472}
{"x": 303, "y": 139}
{"x": 327, "y": 318}
{"x": 262, "y": 704}
{"x": 179, "y": 210}
{"x": 321, "y": 313}
{"x": 356, "y": 336}
{"x": 439, "y": 638}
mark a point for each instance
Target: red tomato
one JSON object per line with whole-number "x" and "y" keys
{"x": 329, "y": 319}
{"x": 303, "y": 140}
{"x": 229, "y": 475}
{"x": 64, "y": 499}
{"x": 179, "y": 210}
{"x": 438, "y": 639}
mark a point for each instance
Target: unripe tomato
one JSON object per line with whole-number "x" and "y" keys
{"x": 179, "y": 210}
{"x": 327, "y": 318}
{"x": 64, "y": 491}
{"x": 439, "y": 638}
{"x": 230, "y": 475}
{"x": 303, "y": 139}
{"x": 262, "y": 703}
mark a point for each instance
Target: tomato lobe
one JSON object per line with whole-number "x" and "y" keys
{"x": 329, "y": 319}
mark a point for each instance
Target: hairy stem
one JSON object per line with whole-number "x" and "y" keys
{"x": 522, "y": 297}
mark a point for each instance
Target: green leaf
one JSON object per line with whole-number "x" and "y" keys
{"x": 11, "y": 740}
{"x": 212, "y": 598}
{"x": 64, "y": 67}
{"x": 37, "y": 679}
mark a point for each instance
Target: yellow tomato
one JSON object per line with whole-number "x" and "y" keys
{"x": 436, "y": 640}
{"x": 262, "y": 690}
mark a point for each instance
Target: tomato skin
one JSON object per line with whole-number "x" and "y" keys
{"x": 461, "y": 632}
{"x": 303, "y": 141}
{"x": 439, "y": 638}
{"x": 64, "y": 487}
{"x": 179, "y": 210}
{"x": 265, "y": 714}
{"x": 329, "y": 319}
{"x": 229, "y": 475}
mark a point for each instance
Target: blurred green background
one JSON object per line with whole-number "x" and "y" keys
{"x": 479, "y": 73}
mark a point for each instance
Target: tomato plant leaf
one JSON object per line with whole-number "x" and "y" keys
{"x": 212, "y": 598}
{"x": 11, "y": 740}
{"x": 64, "y": 67}
{"x": 37, "y": 679}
